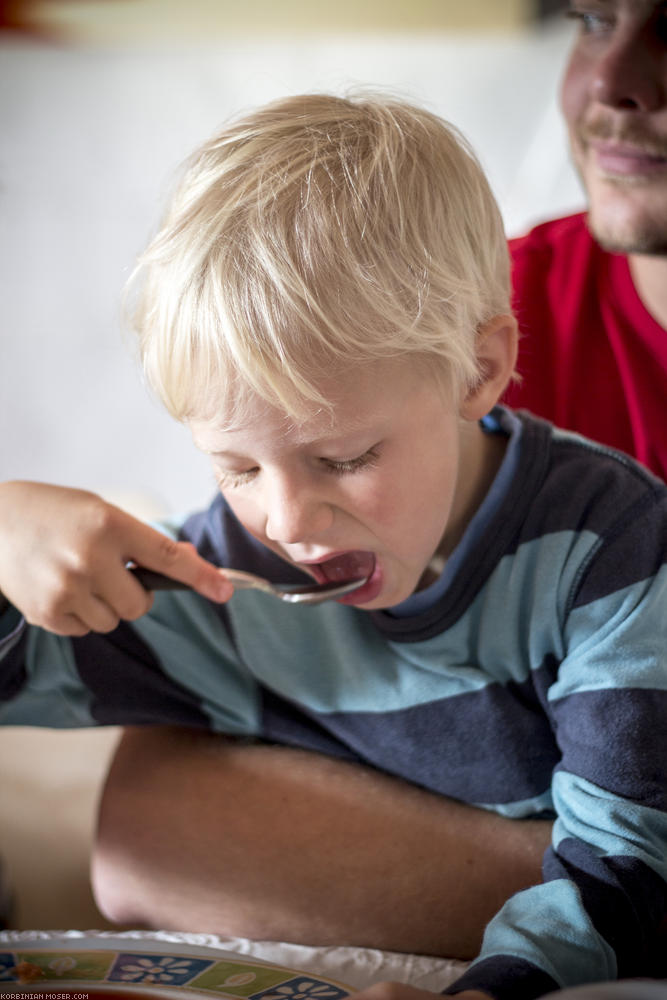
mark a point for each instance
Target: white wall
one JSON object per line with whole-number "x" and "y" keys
{"x": 90, "y": 140}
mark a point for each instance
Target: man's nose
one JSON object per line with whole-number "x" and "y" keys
{"x": 296, "y": 513}
{"x": 628, "y": 73}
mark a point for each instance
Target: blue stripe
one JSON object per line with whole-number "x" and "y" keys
{"x": 331, "y": 658}
{"x": 537, "y": 807}
{"x": 618, "y": 641}
{"x": 55, "y": 694}
{"x": 514, "y": 622}
{"x": 547, "y": 927}
{"x": 198, "y": 655}
{"x": 127, "y": 685}
{"x": 625, "y": 900}
{"x": 613, "y": 827}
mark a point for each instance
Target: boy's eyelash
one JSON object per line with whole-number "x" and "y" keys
{"x": 228, "y": 480}
{"x": 340, "y": 468}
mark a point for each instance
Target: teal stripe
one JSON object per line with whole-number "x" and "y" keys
{"x": 193, "y": 648}
{"x": 549, "y": 927}
{"x": 331, "y": 658}
{"x": 328, "y": 658}
{"x": 617, "y": 641}
{"x": 523, "y": 809}
{"x": 54, "y": 695}
{"x": 611, "y": 825}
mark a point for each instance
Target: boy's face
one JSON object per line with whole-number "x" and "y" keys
{"x": 396, "y": 474}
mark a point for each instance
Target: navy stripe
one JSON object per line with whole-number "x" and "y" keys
{"x": 491, "y": 745}
{"x": 288, "y": 724}
{"x": 634, "y": 550}
{"x": 505, "y": 978}
{"x": 610, "y": 738}
{"x": 625, "y": 899}
{"x": 127, "y": 684}
{"x": 13, "y": 673}
{"x": 657, "y": 966}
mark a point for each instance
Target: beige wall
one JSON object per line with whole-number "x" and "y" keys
{"x": 107, "y": 20}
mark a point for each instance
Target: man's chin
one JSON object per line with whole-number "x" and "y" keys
{"x": 628, "y": 232}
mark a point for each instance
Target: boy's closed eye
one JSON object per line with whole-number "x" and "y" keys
{"x": 340, "y": 466}
{"x": 229, "y": 478}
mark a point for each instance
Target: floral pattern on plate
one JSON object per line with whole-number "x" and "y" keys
{"x": 34, "y": 966}
{"x": 303, "y": 988}
{"x": 233, "y": 978}
{"x": 162, "y": 970}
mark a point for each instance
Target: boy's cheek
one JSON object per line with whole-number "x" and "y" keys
{"x": 252, "y": 519}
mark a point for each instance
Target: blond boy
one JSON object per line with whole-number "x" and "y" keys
{"x": 327, "y": 308}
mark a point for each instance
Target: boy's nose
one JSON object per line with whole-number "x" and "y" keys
{"x": 296, "y": 515}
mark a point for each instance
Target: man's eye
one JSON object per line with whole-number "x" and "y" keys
{"x": 591, "y": 22}
{"x": 343, "y": 466}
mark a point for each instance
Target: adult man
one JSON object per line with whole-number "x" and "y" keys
{"x": 593, "y": 308}
{"x": 275, "y": 843}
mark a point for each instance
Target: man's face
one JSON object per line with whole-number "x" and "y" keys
{"x": 385, "y": 477}
{"x": 614, "y": 99}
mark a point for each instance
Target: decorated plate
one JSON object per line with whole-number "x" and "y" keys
{"x": 99, "y": 969}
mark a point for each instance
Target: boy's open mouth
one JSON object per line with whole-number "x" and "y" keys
{"x": 353, "y": 565}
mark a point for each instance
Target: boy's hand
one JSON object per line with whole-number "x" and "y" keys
{"x": 63, "y": 554}
{"x": 399, "y": 991}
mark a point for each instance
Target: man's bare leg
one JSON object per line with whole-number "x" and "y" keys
{"x": 201, "y": 833}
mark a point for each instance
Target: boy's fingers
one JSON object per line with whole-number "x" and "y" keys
{"x": 92, "y": 614}
{"x": 98, "y": 615}
{"x": 65, "y": 624}
{"x": 209, "y": 582}
{"x": 181, "y": 561}
{"x": 126, "y": 597}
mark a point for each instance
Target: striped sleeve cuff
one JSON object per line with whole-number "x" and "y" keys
{"x": 12, "y": 640}
{"x": 504, "y": 977}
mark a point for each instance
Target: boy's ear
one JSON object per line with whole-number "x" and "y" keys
{"x": 497, "y": 344}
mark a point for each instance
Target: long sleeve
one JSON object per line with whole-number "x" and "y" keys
{"x": 176, "y": 665}
{"x": 596, "y": 915}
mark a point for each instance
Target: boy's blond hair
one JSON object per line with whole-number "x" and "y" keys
{"x": 315, "y": 235}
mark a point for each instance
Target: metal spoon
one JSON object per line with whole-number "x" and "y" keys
{"x": 296, "y": 593}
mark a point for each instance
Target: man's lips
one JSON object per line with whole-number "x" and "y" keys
{"x": 625, "y": 159}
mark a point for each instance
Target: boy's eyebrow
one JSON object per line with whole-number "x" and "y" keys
{"x": 351, "y": 440}
{"x": 222, "y": 454}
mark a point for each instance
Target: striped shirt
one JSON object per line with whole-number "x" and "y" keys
{"x": 530, "y": 679}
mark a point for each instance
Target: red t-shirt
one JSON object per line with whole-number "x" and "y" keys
{"x": 593, "y": 360}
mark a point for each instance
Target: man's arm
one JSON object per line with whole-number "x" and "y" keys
{"x": 202, "y": 832}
